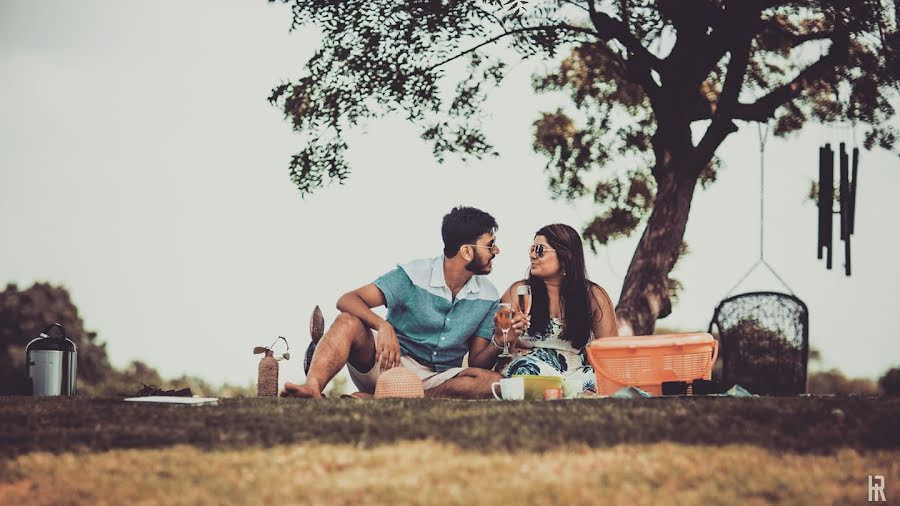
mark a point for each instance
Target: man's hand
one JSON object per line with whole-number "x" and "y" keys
{"x": 519, "y": 324}
{"x": 387, "y": 347}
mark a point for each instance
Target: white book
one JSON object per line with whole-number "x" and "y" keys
{"x": 164, "y": 399}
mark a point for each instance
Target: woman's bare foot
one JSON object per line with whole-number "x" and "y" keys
{"x": 306, "y": 391}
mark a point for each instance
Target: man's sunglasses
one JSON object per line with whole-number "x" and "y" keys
{"x": 539, "y": 249}
{"x": 492, "y": 246}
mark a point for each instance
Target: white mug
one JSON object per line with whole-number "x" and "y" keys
{"x": 511, "y": 389}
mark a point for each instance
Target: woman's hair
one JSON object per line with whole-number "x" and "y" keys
{"x": 574, "y": 291}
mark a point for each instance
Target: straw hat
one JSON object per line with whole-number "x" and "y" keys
{"x": 399, "y": 382}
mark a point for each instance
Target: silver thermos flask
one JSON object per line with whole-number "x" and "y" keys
{"x": 51, "y": 363}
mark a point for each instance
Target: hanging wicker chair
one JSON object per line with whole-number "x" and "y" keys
{"x": 764, "y": 342}
{"x": 763, "y": 336}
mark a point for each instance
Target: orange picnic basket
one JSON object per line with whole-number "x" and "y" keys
{"x": 648, "y": 361}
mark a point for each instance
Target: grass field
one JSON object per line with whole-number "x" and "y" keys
{"x": 278, "y": 451}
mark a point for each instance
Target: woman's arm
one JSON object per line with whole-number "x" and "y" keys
{"x": 603, "y": 313}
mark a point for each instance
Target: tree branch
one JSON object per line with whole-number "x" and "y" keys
{"x": 609, "y": 28}
{"x": 723, "y": 109}
{"x": 738, "y": 17}
{"x": 764, "y": 108}
{"x": 807, "y": 37}
{"x": 560, "y": 26}
{"x": 575, "y": 4}
{"x": 734, "y": 79}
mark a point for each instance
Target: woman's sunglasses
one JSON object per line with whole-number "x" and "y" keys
{"x": 539, "y": 249}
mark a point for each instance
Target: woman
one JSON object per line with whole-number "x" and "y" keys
{"x": 567, "y": 311}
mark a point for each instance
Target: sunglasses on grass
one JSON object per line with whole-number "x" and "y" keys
{"x": 539, "y": 249}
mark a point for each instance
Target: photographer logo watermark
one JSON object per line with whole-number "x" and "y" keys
{"x": 876, "y": 489}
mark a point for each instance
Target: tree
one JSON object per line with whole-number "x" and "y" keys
{"x": 890, "y": 382}
{"x": 642, "y": 75}
{"x": 833, "y": 381}
{"x": 25, "y": 313}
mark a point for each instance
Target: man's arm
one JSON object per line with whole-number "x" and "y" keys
{"x": 483, "y": 354}
{"x": 359, "y": 303}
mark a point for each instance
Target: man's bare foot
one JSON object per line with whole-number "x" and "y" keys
{"x": 306, "y": 391}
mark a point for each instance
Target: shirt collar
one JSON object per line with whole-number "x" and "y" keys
{"x": 437, "y": 272}
{"x": 437, "y": 278}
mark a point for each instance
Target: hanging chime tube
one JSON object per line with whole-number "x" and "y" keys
{"x": 853, "y": 189}
{"x": 844, "y": 188}
{"x": 821, "y": 202}
{"x": 826, "y": 189}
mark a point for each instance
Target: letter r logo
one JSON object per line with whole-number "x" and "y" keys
{"x": 876, "y": 489}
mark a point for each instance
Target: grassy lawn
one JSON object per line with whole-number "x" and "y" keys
{"x": 428, "y": 472}
{"x": 677, "y": 450}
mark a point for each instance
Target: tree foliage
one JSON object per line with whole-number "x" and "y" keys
{"x": 806, "y": 60}
{"x": 655, "y": 87}
{"x": 890, "y": 382}
{"x": 25, "y": 313}
{"x": 834, "y": 382}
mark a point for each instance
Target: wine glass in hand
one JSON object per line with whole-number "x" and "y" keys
{"x": 523, "y": 297}
{"x": 523, "y": 294}
{"x": 504, "y": 319}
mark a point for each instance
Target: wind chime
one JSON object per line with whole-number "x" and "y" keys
{"x": 846, "y": 200}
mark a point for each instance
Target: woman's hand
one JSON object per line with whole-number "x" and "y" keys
{"x": 520, "y": 324}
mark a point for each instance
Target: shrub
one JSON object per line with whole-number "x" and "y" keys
{"x": 890, "y": 382}
{"x": 834, "y": 382}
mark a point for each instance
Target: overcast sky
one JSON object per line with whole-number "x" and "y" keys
{"x": 142, "y": 168}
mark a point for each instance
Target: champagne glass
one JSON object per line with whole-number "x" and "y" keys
{"x": 524, "y": 298}
{"x": 523, "y": 294}
{"x": 504, "y": 318}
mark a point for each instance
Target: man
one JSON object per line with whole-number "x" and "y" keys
{"x": 438, "y": 310}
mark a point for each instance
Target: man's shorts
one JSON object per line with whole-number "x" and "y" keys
{"x": 365, "y": 382}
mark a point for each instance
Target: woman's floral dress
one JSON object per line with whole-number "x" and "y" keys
{"x": 545, "y": 354}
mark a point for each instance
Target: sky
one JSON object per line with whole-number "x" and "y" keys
{"x": 142, "y": 168}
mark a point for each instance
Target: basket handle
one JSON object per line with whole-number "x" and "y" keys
{"x": 607, "y": 376}
{"x": 597, "y": 369}
{"x": 715, "y": 355}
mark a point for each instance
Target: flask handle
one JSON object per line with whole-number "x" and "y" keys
{"x": 46, "y": 332}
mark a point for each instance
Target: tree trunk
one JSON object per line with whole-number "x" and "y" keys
{"x": 645, "y": 293}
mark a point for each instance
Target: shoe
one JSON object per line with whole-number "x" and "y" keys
{"x": 151, "y": 390}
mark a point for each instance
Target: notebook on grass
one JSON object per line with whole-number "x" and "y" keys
{"x": 162, "y": 399}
